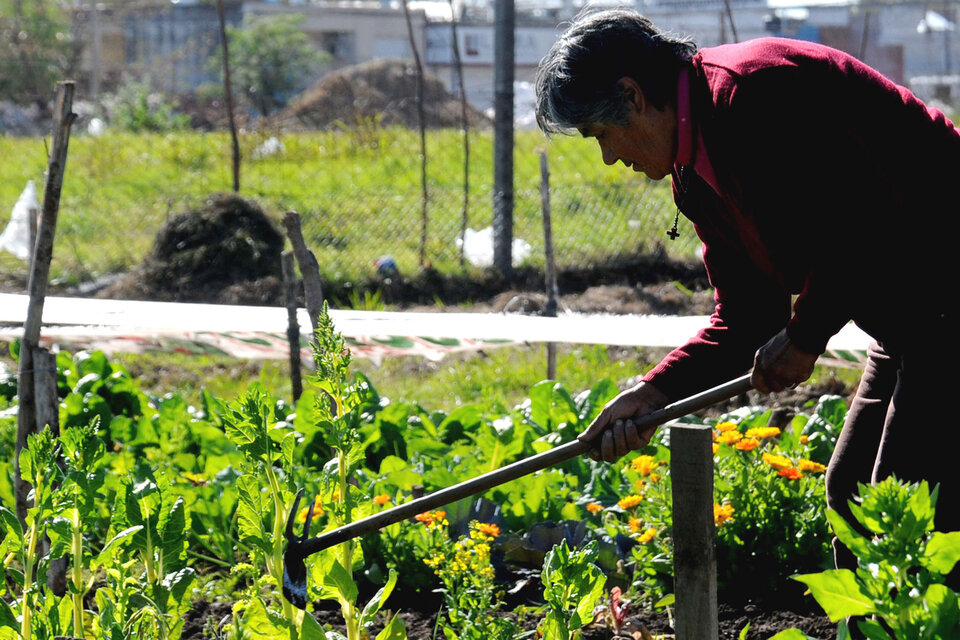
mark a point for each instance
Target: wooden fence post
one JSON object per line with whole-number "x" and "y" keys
{"x": 550, "y": 271}
{"x": 293, "y": 325}
{"x": 37, "y": 284}
{"x": 694, "y": 553}
{"x": 309, "y": 268}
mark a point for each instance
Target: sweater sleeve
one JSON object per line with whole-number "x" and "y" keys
{"x": 751, "y": 308}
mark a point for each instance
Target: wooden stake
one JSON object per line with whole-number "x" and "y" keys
{"x": 551, "y": 274}
{"x": 38, "y": 281}
{"x": 694, "y": 554}
{"x": 309, "y": 268}
{"x": 293, "y": 325}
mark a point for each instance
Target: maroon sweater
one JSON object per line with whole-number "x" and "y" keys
{"x": 831, "y": 193}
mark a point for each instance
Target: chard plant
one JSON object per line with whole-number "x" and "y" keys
{"x": 38, "y": 467}
{"x": 264, "y": 496}
{"x": 572, "y": 586}
{"x": 898, "y": 586}
{"x": 339, "y": 413}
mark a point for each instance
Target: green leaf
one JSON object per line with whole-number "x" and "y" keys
{"x": 380, "y": 597}
{"x": 250, "y": 509}
{"x": 310, "y": 629}
{"x": 339, "y": 583}
{"x": 110, "y": 549}
{"x": 943, "y": 607}
{"x": 873, "y": 630}
{"x": 787, "y": 634}
{"x": 839, "y": 593}
{"x": 850, "y": 538}
{"x": 7, "y": 617}
{"x": 393, "y": 630}
{"x": 942, "y": 552}
{"x": 260, "y": 624}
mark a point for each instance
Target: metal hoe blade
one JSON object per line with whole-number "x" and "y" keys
{"x": 299, "y": 547}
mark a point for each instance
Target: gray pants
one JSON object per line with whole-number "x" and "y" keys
{"x": 901, "y": 422}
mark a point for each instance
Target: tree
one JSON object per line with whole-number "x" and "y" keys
{"x": 271, "y": 59}
{"x": 36, "y": 50}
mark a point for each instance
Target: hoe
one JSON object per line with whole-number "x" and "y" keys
{"x": 299, "y": 547}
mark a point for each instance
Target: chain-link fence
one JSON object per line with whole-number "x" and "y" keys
{"x": 595, "y": 223}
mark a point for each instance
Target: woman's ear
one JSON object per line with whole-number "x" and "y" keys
{"x": 632, "y": 94}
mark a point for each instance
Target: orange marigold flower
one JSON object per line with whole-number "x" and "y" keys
{"x": 809, "y": 466}
{"x": 654, "y": 478}
{"x": 790, "y": 473}
{"x": 726, "y": 426}
{"x": 629, "y": 502}
{"x": 763, "y": 432}
{"x": 777, "y": 462}
{"x": 804, "y": 439}
{"x": 432, "y": 518}
{"x": 647, "y": 535}
{"x": 644, "y": 465}
{"x": 381, "y": 499}
{"x": 594, "y": 507}
{"x": 722, "y": 513}
{"x": 635, "y": 525}
{"x": 716, "y": 448}
{"x": 729, "y": 437}
{"x": 491, "y": 530}
{"x": 747, "y": 444}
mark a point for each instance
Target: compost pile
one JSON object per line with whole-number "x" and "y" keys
{"x": 382, "y": 92}
{"x": 226, "y": 252}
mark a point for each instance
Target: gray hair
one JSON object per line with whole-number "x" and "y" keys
{"x": 577, "y": 81}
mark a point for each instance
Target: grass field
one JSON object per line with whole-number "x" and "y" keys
{"x": 358, "y": 193}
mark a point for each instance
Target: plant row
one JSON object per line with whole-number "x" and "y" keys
{"x": 143, "y": 505}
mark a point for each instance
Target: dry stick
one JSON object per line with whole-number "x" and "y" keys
{"x": 39, "y": 279}
{"x": 465, "y": 124}
{"x": 293, "y": 326}
{"x": 423, "y": 137}
{"x": 309, "y": 269}
{"x": 551, "y": 274}
{"x": 228, "y": 95}
{"x": 733, "y": 27}
{"x": 694, "y": 554}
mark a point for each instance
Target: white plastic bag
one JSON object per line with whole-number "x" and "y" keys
{"x": 16, "y": 237}
{"x": 478, "y": 248}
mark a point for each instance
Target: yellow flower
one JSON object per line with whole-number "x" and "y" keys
{"x": 635, "y": 525}
{"x": 747, "y": 444}
{"x": 729, "y": 437}
{"x": 644, "y": 465}
{"x": 763, "y": 432}
{"x": 491, "y": 530}
{"x": 726, "y": 426}
{"x": 790, "y": 473}
{"x": 381, "y": 499}
{"x": 629, "y": 502}
{"x": 594, "y": 507}
{"x": 716, "y": 448}
{"x": 804, "y": 439}
{"x": 654, "y": 478}
{"x": 647, "y": 535}
{"x": 809, "y": 466}
{"x": 777, "y": 462}
{"x": 722, "y": 513}
{"x": 317, "y": 510}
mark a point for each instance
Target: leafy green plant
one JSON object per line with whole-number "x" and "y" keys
{"x": 338, "y": 414}
{"x": 572, "y": 585}
{"x": 899, "y": 582}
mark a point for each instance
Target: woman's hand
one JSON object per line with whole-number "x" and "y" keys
{"x": 614, "y": 432}
{"x": 779, "y": 365}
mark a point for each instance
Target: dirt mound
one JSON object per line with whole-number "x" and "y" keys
{"x": 227, "y": 252}
{"x": 383, "y": 91}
